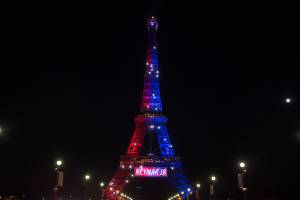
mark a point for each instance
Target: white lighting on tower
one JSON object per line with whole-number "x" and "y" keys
{"x": 151, "y": 126}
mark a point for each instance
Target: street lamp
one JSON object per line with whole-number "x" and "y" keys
{"x": 102, "y": 184}
{"x": 198, "y": 186}
{"x": 212, "y": 187}
{"x": 86, "y": 180}
{"x": 60, "y": 178}
{"x": 241, "y": 177}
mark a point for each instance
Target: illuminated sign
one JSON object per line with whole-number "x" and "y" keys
{"x": 150, "y": 171}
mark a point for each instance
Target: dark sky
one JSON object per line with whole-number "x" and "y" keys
{"x": 71, "y": 81}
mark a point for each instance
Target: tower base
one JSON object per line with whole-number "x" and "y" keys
{"x": 143, "y": 168}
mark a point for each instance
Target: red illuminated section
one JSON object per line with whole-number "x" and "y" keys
{"x": 150, "y": 171}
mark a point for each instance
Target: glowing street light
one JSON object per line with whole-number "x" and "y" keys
{"x": 102, "y": 184}
{"x": 213, "y": 178}
{"x": 59, "y": 163}
{"x": 198, "y": 185}
{"x": 242, "y": 165}
{"x": 288, "y": 100}
{"x": 87, "y": 177}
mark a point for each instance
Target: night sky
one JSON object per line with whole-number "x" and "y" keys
{"x": 71, "y": 81}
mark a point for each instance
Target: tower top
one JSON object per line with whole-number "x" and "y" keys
{"x": 151, "y": 101}
{"x": 152, "y": 23}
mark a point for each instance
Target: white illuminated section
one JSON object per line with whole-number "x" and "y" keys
{"x": 151, "y": 126}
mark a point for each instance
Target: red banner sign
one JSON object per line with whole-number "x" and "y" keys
{"x": 150, "y": 171}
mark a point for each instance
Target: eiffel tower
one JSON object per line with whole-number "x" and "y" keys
{"x": 142, "y": 159}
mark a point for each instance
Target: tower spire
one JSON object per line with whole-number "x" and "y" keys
{"x": 151, "y": 100}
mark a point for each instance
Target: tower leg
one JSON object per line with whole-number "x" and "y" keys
{"x": 116, "y": 185}
{"x": 180, "y": 181}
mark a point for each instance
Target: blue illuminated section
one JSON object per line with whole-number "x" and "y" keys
{"x": 181, "y": 183}
{"x": 151, "y": 100}
{"x": 164, "y": 141}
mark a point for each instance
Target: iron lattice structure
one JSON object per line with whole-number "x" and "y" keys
{"x": 149, "y": 121}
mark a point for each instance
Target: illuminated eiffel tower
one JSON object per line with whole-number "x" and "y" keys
{"x": 150, "y": 125}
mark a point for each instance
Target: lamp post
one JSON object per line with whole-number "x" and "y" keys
{"x": 59, "y": 179}
{"x": 86, "y": 180}
{"x": 198, "y": 185}
{"x": 212, "y": 187}
{"x": 188, "y": 193}
{"x": 241, "y": 182}
{"x": 102, "y": 188}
